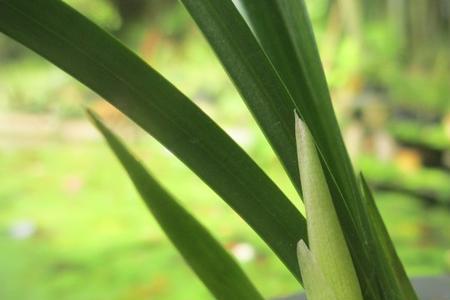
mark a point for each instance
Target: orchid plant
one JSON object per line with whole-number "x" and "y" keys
{"x": 271, "y": 56}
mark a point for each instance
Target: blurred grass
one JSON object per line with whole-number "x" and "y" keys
{"x": 78, "y": 253}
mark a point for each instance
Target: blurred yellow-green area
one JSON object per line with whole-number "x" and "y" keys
{"x": 73, "y": 227}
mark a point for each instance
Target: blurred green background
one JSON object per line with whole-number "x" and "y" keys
{"x": 71, "y": 224}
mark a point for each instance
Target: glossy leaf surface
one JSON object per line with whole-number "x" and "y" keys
{"x": 82, "y": 49}
{"x": 209, "y": 260}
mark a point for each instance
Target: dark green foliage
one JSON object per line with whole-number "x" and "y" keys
{"x": 275, "y": 77}
{"x": 213, "y": 265}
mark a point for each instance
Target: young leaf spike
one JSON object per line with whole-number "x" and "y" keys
{"x": 326, "y": 267}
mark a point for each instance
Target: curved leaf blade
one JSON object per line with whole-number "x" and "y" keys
{"x": 270, "y": 29}
{"x": 393, "y": 278}
{"x": 261, "y": 86}
{"x": 82, "y": 49}
{"x": 253, "y": 75}
{"x": 213, "y": 265}
{"x": 284, "y": 31}
{"x": 348, "y": 198}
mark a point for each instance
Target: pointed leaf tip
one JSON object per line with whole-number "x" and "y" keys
{"x": 316, "y": 286}
{"x": 328, "y": 252}
{"x": 209, "y": 260}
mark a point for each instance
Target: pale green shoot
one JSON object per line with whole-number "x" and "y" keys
{"x": 327, "y": 268}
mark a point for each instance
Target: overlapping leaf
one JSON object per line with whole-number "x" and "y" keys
{"x": 284, "y": 31}
{"x": 393, "y": 277}
{"x": 285, "y": 74}
{"x": 348, "y": 199}
{"x": 241, "y": 55}
{"x": 329, "y": 250}
{"x": 82, "y": 49}
{"x": 252, "y": 73}
{"x": 212, "y": 264}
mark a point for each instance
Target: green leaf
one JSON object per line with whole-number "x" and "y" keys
{"x": 294, "y": 53}
{"x": 326, "y": 239}
{"x": 316, "y": 286}
{"x": 325, "y": 130}
{"x": 252, "y": 73}
{"x": 82, "y": 49}
{"x": 259, "y": 84}
{"x": 284, "y": 31}
{"x": 267, "y": 22}
{"x": 209, "y": 260}
{"x": 394, "y": 281}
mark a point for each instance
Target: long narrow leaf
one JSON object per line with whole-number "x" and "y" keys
{"x": 348, "y": 198}
{"x": 295, "y": 56}
{"x": 209, "y": 260}
{"x": 82, "y": 49}
{"x": 314, "y": 102}
{"x": 252, "y": 73}
{"x": 394, "y": 281}
{"x": 285, "y": 33}
{"x": 267, "y": 22}
{"x": 261, "y": 87}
